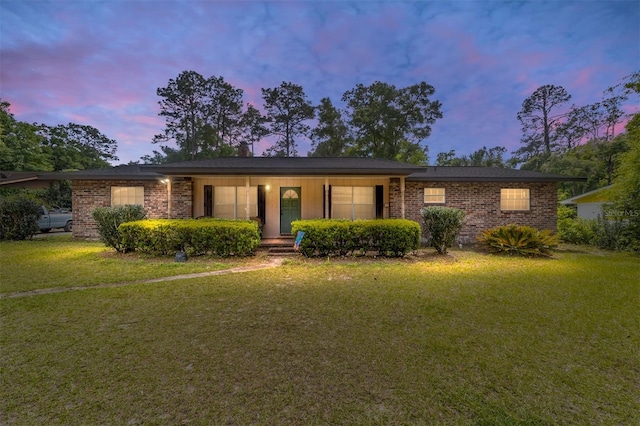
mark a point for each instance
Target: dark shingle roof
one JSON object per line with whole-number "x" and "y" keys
{"x": 485, "y": 174}
{"x": 124, "y": 172}
{"x": 21, "y": 179}
{"x": 298, "y": 166}
{"x": 6, "y": 175}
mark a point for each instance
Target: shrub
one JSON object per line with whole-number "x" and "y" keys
{"x": 518, "y": 240}
{"x": 576, "y": 231}
{"x": 567, "y": 212}
{"x": 611, "y": 234}
{"x": 442, "y": 225}
{"x": 219, "y": 237}
{"x": 18, "y": 218}
{"x": 393, "y": 237}
{"x": 325, "y": 236}
{"x": 602, "y": 233}
{"x": 388, "y": 237}
{"x": 109, "y": 219}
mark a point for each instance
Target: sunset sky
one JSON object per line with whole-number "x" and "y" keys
{"x": 100, "y": 63}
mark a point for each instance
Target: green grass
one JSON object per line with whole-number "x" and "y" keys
{"x": 62, "y": 262}
{"x": 465, "y": 339}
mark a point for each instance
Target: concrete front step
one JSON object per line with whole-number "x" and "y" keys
{"x": 282, "y": 251}
{"x": 282, "y": 246}
{"x": 277, "y": 242}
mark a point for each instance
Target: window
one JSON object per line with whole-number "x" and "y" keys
{"x": 225, "y": 202}
{"x": 433, "y": 195}
{"x": 241, "y": 203}
{"x": 122, "y": 195}
{"x": 514, "y": 199}
{"x": 230, "y": 202}
{"x": 353, "y": 202}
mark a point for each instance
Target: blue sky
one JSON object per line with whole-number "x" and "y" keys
{"x": 100, "y": 63}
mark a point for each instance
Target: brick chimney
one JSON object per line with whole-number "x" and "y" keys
{"x": 243, "y": 150}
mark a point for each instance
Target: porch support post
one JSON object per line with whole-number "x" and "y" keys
{"x": 402, "y": 207}
{"x": 247, "y": 183}
{"x": 326, "y": 197}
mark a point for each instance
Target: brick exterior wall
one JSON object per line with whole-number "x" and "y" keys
{"x": 181, "y": 199}
{"x": 89, "y": 194}
{"x": 481, "y": 203}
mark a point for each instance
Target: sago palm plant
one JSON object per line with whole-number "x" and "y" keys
{"x": 518, "y": 240}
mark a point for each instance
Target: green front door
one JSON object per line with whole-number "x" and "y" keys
{"x": 289, "y": 208}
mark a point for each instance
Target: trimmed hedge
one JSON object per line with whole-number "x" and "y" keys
{"x": 518, "y": 240}
{"x": 220, "y": 237}
{"x": 387, "y": 237}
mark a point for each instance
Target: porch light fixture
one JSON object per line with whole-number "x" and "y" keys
{"x": 165, "y": 180}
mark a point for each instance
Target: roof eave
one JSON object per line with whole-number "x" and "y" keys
{"x": 285, "y": 171}
{"x": 575, "y": 199}
{"x": 114, "y": 177}
{"x": 32, "y": 183}
{"x": 18, "y": 180}
{"x": 495, "y": 179}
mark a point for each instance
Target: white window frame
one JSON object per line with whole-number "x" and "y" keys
{"x": 434, "y": 195}
{"x": 352, "y": 203}
{"x": 127, "y": 195}
{"x": 515, "y": 199}
{"x": 240, "y": 203}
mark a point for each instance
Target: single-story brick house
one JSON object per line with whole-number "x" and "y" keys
{"x": 277, "y": 191}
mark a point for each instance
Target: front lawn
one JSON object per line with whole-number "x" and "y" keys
{"x": 57, "y": 261}
{"x": 464, "y": 339}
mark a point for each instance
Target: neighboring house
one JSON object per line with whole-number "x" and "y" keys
{"x": 277, "y": 191}
{"x": 591, "y": 204}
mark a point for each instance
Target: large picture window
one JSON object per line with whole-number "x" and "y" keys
{"x": 124, "y": 195}
{"x": 434, "y": 195}
{"x": 353, "y": 202}
{"x": 230, "y": 202}
{"x": 514, "y": 199}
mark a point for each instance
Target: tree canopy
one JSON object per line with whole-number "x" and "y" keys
{"x": 202, "y": 115}
{"x": 626, "y": 189}
{"x": 287, "y": 111}
{"x": 38, "y": 147}
{"x": 390, "y": 122}
{"x": 22, "y": 148}
{"x": 78, "y": 147}
{"x": 492, "y": 157}
{"x": 539, "y": 118}
{"x": 331, "y": 136}
{"x": 204, "y": 118}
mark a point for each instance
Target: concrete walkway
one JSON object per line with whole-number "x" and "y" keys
{"x": 273, "y": 263}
